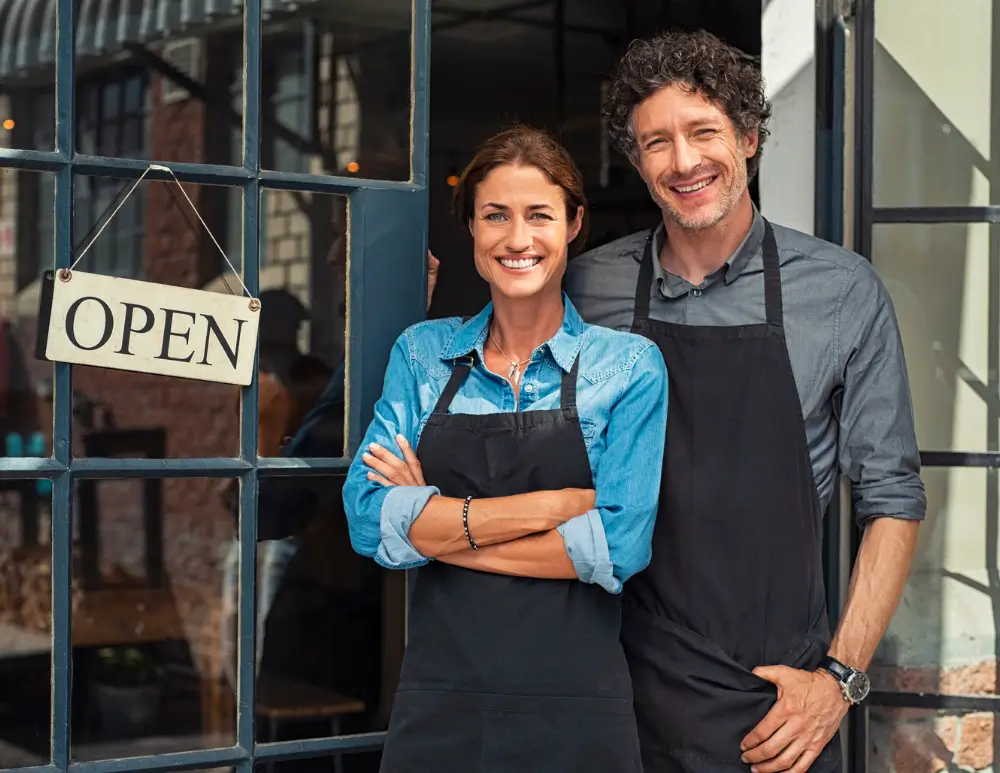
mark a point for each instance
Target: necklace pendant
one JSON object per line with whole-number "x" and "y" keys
{"x": 512, "y": 374}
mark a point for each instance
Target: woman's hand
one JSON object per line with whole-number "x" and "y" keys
{"x": 389, "y": 470}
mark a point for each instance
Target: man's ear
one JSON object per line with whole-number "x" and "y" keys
{"x": 750, "y": 142}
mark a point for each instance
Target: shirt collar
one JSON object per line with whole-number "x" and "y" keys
{"x": 564, "y": 346}
{"x": 734, "y": 266}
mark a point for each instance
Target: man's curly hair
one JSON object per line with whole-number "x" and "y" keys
{"x": 695, "y": 60}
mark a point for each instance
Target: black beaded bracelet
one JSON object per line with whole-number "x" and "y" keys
{"x": 465, "y": 523}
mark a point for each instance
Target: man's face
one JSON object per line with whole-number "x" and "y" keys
{"x": 690, "y": 156}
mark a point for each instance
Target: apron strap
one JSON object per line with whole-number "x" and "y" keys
{"x": 567, "y": 397}
{"x": 644, "y": 286}
{"x": 460, "y": 369}
{"x": 772, "y": 278}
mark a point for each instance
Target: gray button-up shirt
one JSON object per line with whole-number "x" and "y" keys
{"x": 843, "y": 341}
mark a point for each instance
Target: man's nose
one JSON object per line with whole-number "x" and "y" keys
{"x": 686, "y": 157}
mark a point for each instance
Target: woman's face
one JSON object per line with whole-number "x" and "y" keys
{"x": 521, "y": 231}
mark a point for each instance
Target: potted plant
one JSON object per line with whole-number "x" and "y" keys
{"x": 127, "y": 691}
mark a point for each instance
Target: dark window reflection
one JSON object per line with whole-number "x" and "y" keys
{"x": 26, "y": 248}
{"x": 151, "y": 601}
{"x": 25, "y": 622}
{"x": 331, "y": 622}
{"x": 303, "y": 280}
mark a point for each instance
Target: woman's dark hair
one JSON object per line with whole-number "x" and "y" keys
{"x": 695, "y": 60}
{"x": 524, "y": 146}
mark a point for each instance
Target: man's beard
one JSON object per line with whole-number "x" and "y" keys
{"x": 708, "y": 220}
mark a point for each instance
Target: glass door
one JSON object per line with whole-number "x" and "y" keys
{"x": 177, "y": 587}
{"x": 926, "y": 184}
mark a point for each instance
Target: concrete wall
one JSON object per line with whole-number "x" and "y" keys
{"x": 787, "y": 176}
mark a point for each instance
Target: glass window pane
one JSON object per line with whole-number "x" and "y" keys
{"x": 25, "y": 622}
{"x": 138, "y": 98}
{"x": 933, "y": 130}
{"x": 337, "y": 90}
{"x": 331, "y": 621}
{"x": 27, "y": 76}
{"x": 196, "y": 418}
{"x": 303, "y": 282}
{"x": 943, "y": 638}
{"x": 942, "y": 286}
{"x": 923, "y": 740}
{"x": 27, "y": 238}
{"x": 155, "y": 584}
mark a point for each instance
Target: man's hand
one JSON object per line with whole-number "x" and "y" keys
{"x": 806, "y": 716}
{"x": 433, "y": 265}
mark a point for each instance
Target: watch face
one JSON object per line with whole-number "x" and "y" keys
{"x": 857, "y": 687}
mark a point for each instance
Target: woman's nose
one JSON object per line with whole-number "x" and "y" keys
{"x": 518, "y": 236}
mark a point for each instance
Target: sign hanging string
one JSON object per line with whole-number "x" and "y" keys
{"x": 131, "y": 190}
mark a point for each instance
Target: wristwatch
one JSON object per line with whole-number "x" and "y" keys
{"x": 853, "y": 683}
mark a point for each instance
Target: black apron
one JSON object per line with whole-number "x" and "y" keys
{"x": 736, "y": 579}
{"x": 509, "y": 674}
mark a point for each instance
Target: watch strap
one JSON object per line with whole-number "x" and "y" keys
{"x": 840, "y": 672}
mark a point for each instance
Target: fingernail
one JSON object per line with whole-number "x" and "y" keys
{"x": 401, "y": 440}
{"x": 366, "y": 456}
{"x": 374, "y": 446}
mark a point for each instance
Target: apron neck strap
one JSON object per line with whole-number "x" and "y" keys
{"x": 644, "y": 287}
{"x": 567, "y": 398}
{"x": 459, "y": 371}
{"x": 772, "y": 278}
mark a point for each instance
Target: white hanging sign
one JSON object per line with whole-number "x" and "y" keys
{"x": 126, "y": 324}
{"x": 107, "y": 322}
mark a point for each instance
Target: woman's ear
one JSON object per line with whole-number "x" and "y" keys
{"x": 575, "y": 226}
{"x": 470, "y": 228}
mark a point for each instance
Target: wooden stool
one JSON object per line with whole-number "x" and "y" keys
{"x": 280, "y": 700}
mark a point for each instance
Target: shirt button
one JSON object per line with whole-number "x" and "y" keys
{"x": 696, "y": 293}
{"x": 529, "y": 388}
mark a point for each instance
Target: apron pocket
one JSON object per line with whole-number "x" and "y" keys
{"x": 527, "y": 734}
{"x": 432, "y": 730}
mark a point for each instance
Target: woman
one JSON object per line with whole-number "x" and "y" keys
{"x": 514, "y": 457}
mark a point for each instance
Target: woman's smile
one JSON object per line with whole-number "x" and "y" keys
{"x": 520, "y": 264}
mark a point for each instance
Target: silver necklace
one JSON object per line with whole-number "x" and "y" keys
{"x": 514, "y": 367}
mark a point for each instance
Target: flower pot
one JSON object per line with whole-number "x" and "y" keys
{"x": 128, "y": 711}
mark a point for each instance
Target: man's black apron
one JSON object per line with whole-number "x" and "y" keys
{"x": 508, "y": 674}
{"x": 736, "y": 579}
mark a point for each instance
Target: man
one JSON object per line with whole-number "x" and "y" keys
{"x": 785, "y": 362}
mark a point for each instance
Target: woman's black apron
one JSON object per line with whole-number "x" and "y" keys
{"x": 736, "y": 579}
{"x": 509, "y": 674}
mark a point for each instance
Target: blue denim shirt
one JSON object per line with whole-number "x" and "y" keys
{"x": 622, "y": 403}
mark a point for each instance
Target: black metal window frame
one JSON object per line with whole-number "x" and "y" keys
{"x": 866, "y": 216}
{"x": 387, "y": 292}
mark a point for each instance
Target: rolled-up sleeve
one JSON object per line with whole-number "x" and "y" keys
{"x": 614, "y": 541}
{"x": 379, "y": 517}
{"x": 877, "y": 441}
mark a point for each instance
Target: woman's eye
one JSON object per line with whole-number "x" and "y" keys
{"x": 540, "y": 216}
{"x": 495, "y": 217}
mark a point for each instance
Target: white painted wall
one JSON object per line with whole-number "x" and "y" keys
{"x": 787, "y": 174}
